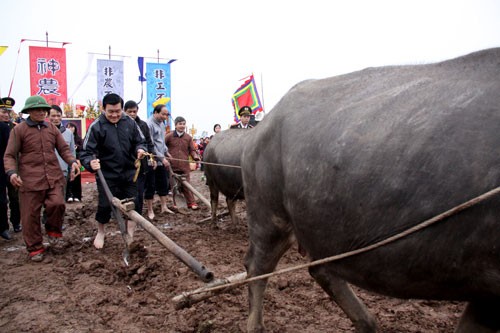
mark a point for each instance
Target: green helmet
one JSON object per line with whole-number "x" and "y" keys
{"x": 35, "y": 102}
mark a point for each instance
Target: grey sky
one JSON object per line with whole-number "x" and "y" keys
{"x": 219, "y": 42}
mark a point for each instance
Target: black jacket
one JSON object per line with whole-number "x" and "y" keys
{"x": 238, "y": 125}
{"x": 4, "y": 137}
{"x": 115, "y": 145}
{"x": 149, "y": 142}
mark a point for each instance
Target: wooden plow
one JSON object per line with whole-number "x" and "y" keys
{"x": 186, "y": 299}
{"x": 127, "y": 207}
{"x": 181, "y": 179}
{"x": 190, "y": 187}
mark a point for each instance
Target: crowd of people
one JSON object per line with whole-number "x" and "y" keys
{"x": 42, "y": 160}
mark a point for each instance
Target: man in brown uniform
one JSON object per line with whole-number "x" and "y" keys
{"x": 180, "y": 146}
{"x": 32, "y": 166}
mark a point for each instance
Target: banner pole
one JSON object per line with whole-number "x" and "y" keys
{"x": 262, "y": 91}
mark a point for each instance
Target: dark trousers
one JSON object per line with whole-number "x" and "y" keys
{"x": 121, "y": 189}
{"x": 74, "y": 188}
{"x": 15, "y": 214}
{"x": 4, "y": 224}
{"x": 157, "y": 181}
{"x": 139, "y": 200}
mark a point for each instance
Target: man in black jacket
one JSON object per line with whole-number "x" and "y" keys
{"x": 245, "y": 114}
{"x": 112, "y": 144}
{"x": 6, "y": 105}
{"x": 131, "y": 109}
{"x": 4, "y": 137}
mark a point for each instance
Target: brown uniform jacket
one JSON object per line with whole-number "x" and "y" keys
{"x": 33, "y": 144}
{"x": 180, "y": 148}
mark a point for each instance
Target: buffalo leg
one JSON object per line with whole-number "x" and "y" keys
{"x": 481, "y": 317}
{"x": 340, "y": 292}
{"x": 231, "y": 204}
{"x": 268, "y": 243}
{"x": 214, "y": 202}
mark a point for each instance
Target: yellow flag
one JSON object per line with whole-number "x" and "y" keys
{"x": 163, "y": 100}
{"x": 2, "y": 49}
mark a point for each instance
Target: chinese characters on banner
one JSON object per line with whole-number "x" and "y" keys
{"x": 109, "y": 78}
{"x": 48, "y": 73}
{"x": 158, "y": 85}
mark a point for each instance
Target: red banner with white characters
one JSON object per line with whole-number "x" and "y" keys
{"x": 48, "y": 74}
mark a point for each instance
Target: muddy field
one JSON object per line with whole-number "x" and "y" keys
{"x": 81, "y": 289}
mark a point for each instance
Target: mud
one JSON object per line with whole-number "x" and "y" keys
{"x": 80, "y": 289}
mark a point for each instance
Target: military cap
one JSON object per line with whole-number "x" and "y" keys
{"x": 245, "y": 111}
{"x": 7, "y": 103}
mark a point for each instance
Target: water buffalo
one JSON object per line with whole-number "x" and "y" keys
{"x": 225, "y": 148}
{"x": 344, "y": 162}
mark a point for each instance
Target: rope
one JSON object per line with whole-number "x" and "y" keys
{"x": 137, "y": 164}
{"x": 188, "y": 161}
{"x": 216, "y": 164}
{"x": 151, "y": 156}
{"x": 208, "y": 163}
{"x": 391, "y": 239}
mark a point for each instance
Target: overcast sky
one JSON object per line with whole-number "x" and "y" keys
{"x": 219, "y": 42}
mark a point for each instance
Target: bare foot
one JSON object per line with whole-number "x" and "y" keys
{"x": 165, "y": 210}
{"x": 151, "y": 216}
{"x": 99, "y": 240}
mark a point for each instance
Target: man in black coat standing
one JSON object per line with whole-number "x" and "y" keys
{"x": 112, "y": 144}
{"x": 4, "y": 137}
{"x": 131, "y": 109}
{"x": 245, "y": 114}
{"x": 6, "y": 105}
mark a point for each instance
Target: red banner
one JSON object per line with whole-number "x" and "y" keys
{"x": 48, "y": 74}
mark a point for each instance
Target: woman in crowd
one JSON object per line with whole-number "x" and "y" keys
{"x": 217, "y": 128}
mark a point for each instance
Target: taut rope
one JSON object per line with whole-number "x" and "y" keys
{"x": 391, "y": 239}
{"x": 208, "y": 163}
{"x": 152, "y": 156}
